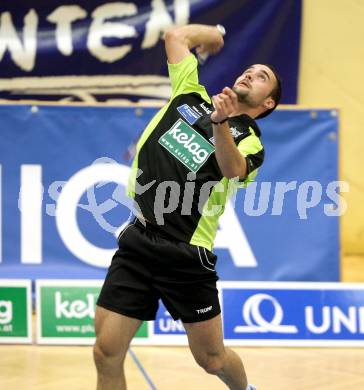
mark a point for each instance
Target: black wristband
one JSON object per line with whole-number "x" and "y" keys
{"x": 219, "y": 123}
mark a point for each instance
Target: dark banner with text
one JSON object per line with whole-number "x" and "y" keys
{"x": 106, "y": 51}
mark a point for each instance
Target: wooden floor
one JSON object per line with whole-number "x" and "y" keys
{"x": 36, "y": 367}
{"x": 71, "y": 368}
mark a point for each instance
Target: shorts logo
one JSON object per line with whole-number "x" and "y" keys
{"x": 186, "y": 145}
{"x": 188, "y": 113}
{"x": 204, "y": 310}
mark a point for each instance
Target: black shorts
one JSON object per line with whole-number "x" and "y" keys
{"x": 149, "y": 265}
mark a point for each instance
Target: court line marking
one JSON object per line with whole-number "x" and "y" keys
{"x": 142, "y": 370}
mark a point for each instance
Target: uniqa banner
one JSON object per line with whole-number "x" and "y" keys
{"x": 64, "y": 169}
{"x": 99, "y": 50}
{"x": 254, "y": 313}
{"x": 280, "y": 314}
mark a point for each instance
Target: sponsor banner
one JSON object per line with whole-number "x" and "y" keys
{"x": 63, "y": 199}
{"x": 293, "y": 314}
{"x": 15, "y": 311}
{"x": 106, "y": 50}
{"x": 254, "y": 313}
{"x": 278, "y": 314}
{"x": 63, "y": 176}
{"x": 66, "y": 311}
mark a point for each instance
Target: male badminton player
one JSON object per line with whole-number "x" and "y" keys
{"x": 187, "y": 158}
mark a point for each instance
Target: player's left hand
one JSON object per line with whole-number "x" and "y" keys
{"x": 225, "y": 104}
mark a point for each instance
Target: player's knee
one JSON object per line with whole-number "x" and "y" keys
{"x": 106, "y": 355}
{"x": 99, "y": 355}
{"x": 212, "y": 363}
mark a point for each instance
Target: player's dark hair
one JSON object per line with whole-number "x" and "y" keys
{"x": 276, "y": 93}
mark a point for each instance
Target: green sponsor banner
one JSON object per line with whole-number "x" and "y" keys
{"x": 186, "y": 145}
{"x": 66, "y": 311}
{"x": 15, "y": 311}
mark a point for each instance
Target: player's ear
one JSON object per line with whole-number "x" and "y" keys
{"x": 268, "y": 103}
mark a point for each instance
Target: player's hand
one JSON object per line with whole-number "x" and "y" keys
{"x": 215, "y": 43}
{"x": 209, "y": 48}
{"x": 225, "y": 104}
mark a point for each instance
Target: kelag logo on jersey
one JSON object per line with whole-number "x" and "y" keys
{"x": 297, "y": 311}
{"x": 187, "y": 145}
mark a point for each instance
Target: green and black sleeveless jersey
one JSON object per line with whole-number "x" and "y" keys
{"x": 176, "y": 181}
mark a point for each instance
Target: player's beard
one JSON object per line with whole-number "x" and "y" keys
{"x": 243, "y": 96}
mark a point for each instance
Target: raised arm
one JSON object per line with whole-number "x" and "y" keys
{"x": 180, "y": 40}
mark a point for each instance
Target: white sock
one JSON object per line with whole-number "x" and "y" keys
{"x": 251, "y": 387}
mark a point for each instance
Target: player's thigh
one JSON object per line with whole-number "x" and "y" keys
{"x": 205, "y": 338}
{"x": 114, "y": 332}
